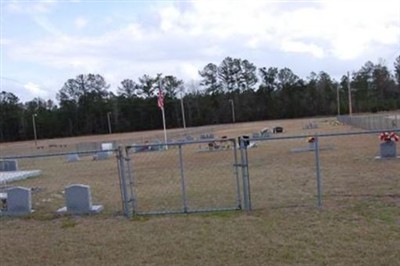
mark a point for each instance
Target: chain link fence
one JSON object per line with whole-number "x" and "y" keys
{"x": 194, "y": 176}
{"x": 325, "y": 169}
{"x": 372, "y": 122}
{"x": 277, "y": 171}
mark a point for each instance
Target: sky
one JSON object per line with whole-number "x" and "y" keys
{"x": 45, "y": 43}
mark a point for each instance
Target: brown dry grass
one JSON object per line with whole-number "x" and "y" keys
{"x": 359, "y": 224}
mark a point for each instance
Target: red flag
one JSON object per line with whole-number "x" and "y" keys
{"x": 160, "y": 101}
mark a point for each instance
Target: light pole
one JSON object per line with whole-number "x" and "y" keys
{"x": 34, "y": 128}
{"x": 338, "y": 99}
{"x": 183, "y": 110}
{"x": 109, "y": 122}
{"x": 349, "y": 93}
{"x": 233, "y": 110}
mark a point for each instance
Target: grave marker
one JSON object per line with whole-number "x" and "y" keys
{"x": 388, "y": 149}
{"x": 8, "y": 165}
{"x": 19, "y": 201}
{"x": 73, "y": 157}
{"x": 78, "y": 200}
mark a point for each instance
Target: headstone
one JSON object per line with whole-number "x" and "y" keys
{"x": 107, "y": 147}
{"x": 277, "y": 130}
{"x": 207, "y": 136}
{"x": 139, "y": 148}
{"x": 265, "y": 132}
{"x": 78, "y": 200}
{"x": 189, "y": 138}
{"x": 155, "y": 146}
{"x": 73, "y": 157}
{"x": 87, "y": 146}
{"x": 101, "y": 155}
{"x": 311, "y": 146}
{"x": 311, "y": 125}
{"x": 388, "y": 149}
{"x": 8, "y": 165}
{"x": 19, "y": 201}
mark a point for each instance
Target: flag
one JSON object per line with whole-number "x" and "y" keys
{"x": 160, "y": 101}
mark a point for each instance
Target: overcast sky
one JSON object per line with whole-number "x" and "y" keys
{"x": 44, "y": 43}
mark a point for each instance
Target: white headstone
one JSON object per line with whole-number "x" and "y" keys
{"x": 108, "y": 147}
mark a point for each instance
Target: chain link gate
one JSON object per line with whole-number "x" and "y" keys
{"x": 181, "y": 177}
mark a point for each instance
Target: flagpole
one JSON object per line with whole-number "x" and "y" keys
{"x": 165, "y": 130}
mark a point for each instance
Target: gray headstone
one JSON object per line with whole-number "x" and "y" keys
{"x": 189, "y": 138}
{"x": 78, "y": 200}
{"x": 72, "y": 157}
{"x": 388, "y": 149}
{"x": 8, "y": 165}
{"x": 19, "y": 200}
{"x": 101, "y": 155}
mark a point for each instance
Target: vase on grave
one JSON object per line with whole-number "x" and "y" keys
{"x": 388, "y": 149}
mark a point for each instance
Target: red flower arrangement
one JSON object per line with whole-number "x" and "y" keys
{"x": 388, "y": 137}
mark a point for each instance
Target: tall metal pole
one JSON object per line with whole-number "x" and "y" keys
{"x": 338, "y": 99}
{"x": 163, "y": 117}
{"x": 34, "y": 128}
{"x": 183, "y": 113}
{"x": 109, "y": 122}
{"x": 318, "y": 171}
{"x": 233, "y": 110}
{"x": 349, "y": 92}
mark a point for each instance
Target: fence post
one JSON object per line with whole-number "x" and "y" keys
{"x": 318, "y": 172}
{"x": 122, "y": 181}
{"x": 236, "y": 172}
{"x": 183, "y": 186}
{"x": 245, "y": 173}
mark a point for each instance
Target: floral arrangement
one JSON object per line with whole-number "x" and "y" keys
{"x": 311, "y": 139}
{"x": 388, "y": 137}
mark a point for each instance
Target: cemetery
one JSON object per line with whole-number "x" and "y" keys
{"x": 79, "y": 196}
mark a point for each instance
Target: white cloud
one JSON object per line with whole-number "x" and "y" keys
{"x": 26, "y": 7}
{"x": 186, "y": 37}
{"x": 300, "y": 47}
{"x": 34, "y": 89}
{"x": 80, "y": 22}
{"x": 336, "y": 24}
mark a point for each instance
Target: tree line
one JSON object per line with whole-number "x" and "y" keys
{"x": 86, "y": 105}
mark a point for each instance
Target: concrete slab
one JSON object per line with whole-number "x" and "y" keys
{"x": 6, "y": 177}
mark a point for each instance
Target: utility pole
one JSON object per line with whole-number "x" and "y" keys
{"x": 109, "y": 122}
{"x": 183, "y": 110}
{"x": 233, "y": 110}
{"x": 34, "y": 128}
{"x": 338, "y": 99}
{"x": 349, "y": 92}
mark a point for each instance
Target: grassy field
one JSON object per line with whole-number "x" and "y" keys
{"x": 359, "y": 223}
